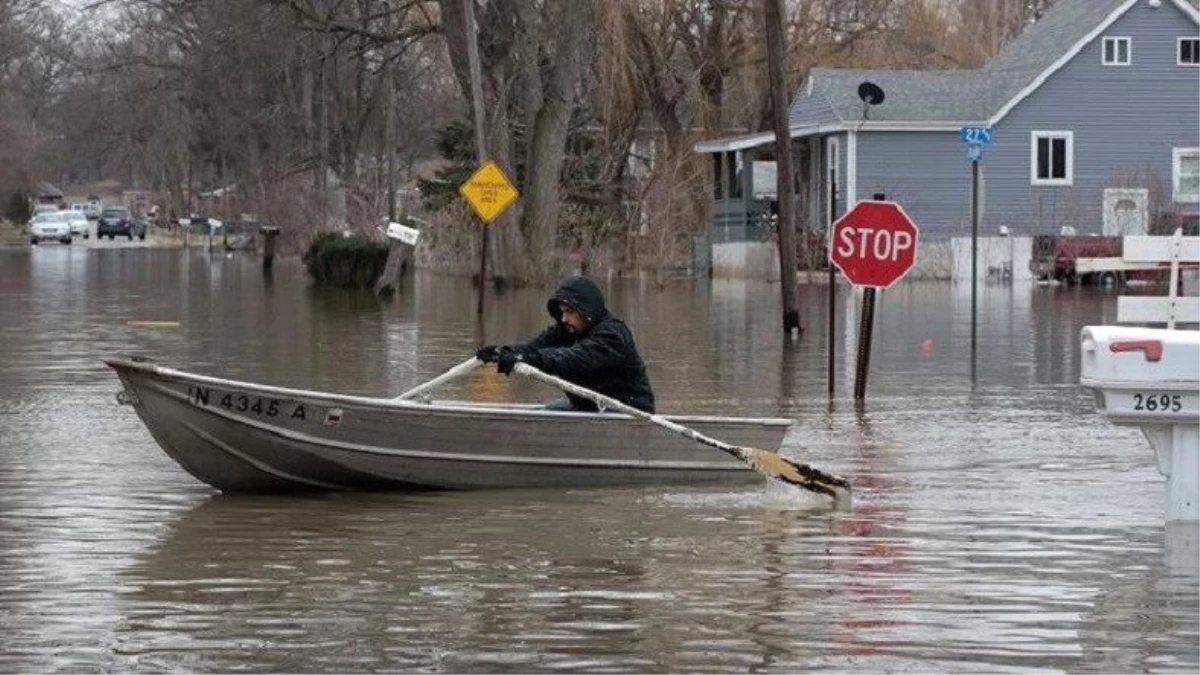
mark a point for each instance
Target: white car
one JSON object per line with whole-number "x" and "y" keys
{"x": 50, "y": 225}
{"x": 78, "y": 223}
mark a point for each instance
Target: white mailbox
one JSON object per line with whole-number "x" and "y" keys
{"x": 1150, "y": 378}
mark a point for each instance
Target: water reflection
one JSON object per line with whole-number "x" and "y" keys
{"x": 1002, "y": 526}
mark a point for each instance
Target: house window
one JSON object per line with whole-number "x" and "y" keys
{"x": 1051, "y": 158}
{"x": 1116, "y": 51}
{"x": 1188, "y": 52}
{"x": 1185, "y": 173}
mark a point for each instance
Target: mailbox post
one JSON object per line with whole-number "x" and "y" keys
{"x": 1147, "y": 377}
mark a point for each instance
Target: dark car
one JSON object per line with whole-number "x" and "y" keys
{"x": 116, "y": 220}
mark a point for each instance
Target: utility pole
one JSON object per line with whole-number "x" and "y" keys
{"x": 389, "y": 130}
{"x": 783, "y": 164}
{"x": 481, "y": 153}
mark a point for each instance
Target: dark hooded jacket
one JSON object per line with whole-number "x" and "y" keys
{"x": 603, "y": 358}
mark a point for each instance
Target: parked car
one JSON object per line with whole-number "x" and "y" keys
{"x": 116, "y": 220}
{"x": 49, "y": 225}
{"x": 91, "y": 210}
{"x": 79, "y": 223}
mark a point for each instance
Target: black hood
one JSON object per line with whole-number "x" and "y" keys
{"x": 581, "y": 293}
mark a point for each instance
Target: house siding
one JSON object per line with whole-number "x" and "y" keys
{"x": 928, "y": 173}
{"x": 1125, "y": 122}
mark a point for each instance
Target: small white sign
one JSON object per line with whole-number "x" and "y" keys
{"x": 404, "y": 233}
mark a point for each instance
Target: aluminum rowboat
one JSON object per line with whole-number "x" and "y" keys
{"x": 246, "y": 437}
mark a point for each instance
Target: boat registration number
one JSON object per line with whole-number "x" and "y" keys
{"x": 234, "y": 401}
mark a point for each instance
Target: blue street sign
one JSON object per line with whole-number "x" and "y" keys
{"x": 975, "y": 135}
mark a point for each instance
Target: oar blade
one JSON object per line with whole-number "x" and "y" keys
{"x": 776, "y": 466}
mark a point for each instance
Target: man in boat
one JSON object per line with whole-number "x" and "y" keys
{"x": 585, "y": 345}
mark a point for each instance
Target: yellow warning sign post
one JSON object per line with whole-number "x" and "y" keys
{"x": 489, "y": 192}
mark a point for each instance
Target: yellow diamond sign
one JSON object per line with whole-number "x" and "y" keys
{"x": 488, "y": 192}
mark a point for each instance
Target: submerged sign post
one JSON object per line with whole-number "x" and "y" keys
{"x": 976, "y": 138}
{"x": 874, "y": 245}
{"x": 489, "y": 192}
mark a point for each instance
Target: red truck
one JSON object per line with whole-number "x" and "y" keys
{"x": 1054, "y": 256}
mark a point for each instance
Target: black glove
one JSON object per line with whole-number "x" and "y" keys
{"x": 488, "y": 353}
{"x": 507, "y": 361}
{"x": 510, "y": 358}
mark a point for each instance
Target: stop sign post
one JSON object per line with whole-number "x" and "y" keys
{"x": 874, "y": 245}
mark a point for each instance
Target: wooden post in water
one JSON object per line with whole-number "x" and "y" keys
{"x": 269, "y": 234}
{"x": 403, "y": 242}
{"x": 776, "y": 55}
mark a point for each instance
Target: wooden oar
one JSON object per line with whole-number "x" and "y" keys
{"x": 452, "y": 374}
{"x": 770, "y": 464}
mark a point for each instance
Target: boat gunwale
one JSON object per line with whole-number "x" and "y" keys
{"x": 152, "y": 369}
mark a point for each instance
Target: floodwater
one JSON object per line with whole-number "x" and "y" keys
{"x": 1001, "y": 525}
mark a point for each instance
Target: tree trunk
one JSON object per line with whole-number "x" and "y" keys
{"x": 783, "y": 162}
{"x": 544, "y": 164}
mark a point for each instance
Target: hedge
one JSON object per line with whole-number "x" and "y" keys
{"x": 347, "y": 262}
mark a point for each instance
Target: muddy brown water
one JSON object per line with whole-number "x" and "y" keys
{"x": 1001, "y": 525}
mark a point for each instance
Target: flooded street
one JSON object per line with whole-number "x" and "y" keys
{"x": 1002, "y": 525}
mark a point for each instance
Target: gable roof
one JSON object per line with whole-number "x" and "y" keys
{"x": 950, "y": 98}
{"x": 962, "y": 95}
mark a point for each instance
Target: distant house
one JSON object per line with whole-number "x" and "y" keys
{"x": 45, "y": 193}
{"x": 1095, "y": 109}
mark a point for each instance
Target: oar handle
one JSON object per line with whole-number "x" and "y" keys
{"x": 766, "y": 462}
{"x": 452, "y": 374}
{"x": 612, "y": 403}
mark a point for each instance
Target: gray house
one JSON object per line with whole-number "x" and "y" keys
{"x": 1095, "y": 110}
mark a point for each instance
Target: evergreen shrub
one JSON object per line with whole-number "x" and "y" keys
{"x": 346, "y": 262}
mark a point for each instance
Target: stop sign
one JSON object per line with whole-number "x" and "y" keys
{"x": 874, "y": 244}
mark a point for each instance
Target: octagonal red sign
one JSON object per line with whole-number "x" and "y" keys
{"x": 874, "y": 244}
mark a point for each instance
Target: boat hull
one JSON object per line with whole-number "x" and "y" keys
{"x": 246, "y": 437}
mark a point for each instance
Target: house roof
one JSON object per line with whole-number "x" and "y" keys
{"x": 45, "y": 190}
{"x": 949, "y": 98}
{"x": 960, "y": 95}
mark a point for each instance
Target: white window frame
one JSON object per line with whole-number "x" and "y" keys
{"x": 1177, "y": 155}
{"x": 833, "y": 160}
{"x": 1034, "y": 137}
{"x": 1179, "y": 51}
{"x": 1115, "y": 41}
